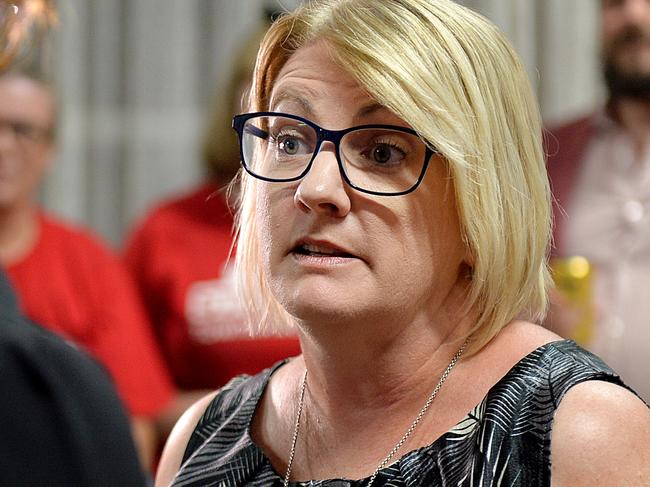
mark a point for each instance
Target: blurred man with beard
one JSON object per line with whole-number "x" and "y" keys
{"x": 600, "y": 172}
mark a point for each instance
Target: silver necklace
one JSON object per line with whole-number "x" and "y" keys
{"x": 400, "y": 443}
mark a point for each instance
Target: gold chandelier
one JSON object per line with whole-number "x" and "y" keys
{"x": 22, "y": 24}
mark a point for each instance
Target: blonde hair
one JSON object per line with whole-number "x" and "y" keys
{"x": 456, "y": 80}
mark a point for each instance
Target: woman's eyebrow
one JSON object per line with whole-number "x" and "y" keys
{"x": 368, "y": 110}
{"x": 303, "y": 96}
{"x": 292, "y": 97}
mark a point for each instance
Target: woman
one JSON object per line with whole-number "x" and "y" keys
{"x": 406, "y": 241}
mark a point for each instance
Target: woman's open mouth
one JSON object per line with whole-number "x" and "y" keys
{"x": 318, "y": 251}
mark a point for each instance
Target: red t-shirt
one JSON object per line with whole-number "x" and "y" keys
{"x": 178, "y": 256}
{"x": 75, "y": 286}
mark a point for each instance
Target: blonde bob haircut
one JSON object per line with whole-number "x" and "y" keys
{"x": 452, "y": 76}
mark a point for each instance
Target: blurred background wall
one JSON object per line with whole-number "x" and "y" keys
{"x": 137, "y": 78}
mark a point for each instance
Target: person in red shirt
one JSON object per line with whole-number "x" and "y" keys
{"x": 179, "y": 255}
{"x": 66, "y": 279}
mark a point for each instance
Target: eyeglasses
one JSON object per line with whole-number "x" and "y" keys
{"x": 25, "y": 132}
{"x": 385, "y": 160}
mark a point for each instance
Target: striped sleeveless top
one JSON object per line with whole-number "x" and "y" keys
{"x": 504, "y": 440}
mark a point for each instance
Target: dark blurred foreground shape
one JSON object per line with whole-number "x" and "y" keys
{"x": 61, "y": 421}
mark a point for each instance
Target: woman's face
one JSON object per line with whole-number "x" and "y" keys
{"x": 332, "y": 253}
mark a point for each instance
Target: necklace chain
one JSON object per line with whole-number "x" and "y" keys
{"x": 296, "y": 428}
{"x": 402, "y": 440}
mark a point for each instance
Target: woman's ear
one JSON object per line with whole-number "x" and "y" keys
{"x": 468, "y": 260}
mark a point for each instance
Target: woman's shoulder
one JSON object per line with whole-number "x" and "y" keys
{"x": 599, "y": 427}
{"x": 559, "y": 413}
{"x": 174, "y": 451}
{"x": 234, "y": 403}
{"x": 551, "y": 367}
{"x": 535, "y": 352}
{"x": 601, "y": 431}
{"x": 231, "y": 398}
{"x": 515, "y": 421}
{"x": 541, "y": 369}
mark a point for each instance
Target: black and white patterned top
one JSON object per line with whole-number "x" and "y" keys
{"x": 504, "y": 441}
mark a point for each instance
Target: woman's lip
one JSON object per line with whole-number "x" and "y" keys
{"x": 321, "y": 260}
{"x": 329, "y": 249}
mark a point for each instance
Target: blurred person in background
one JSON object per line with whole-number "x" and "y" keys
{"x": 66, "y": 279}
{"x": 599, "y": 167}
{"x": 61, "y": 420}
{"x": 179, "y": 254}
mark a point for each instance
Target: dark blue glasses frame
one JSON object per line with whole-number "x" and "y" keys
{"x": 322, "y": 135}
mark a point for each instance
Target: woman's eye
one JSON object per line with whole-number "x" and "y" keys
{"x": 383, "y": 153}
{"x": 289, "y": 145}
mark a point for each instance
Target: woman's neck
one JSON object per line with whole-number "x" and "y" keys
{"x": 373, "y": 370}
{"x": 357, "y": 406}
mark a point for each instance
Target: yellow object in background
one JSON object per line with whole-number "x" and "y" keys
{"x": 573, "y": 277}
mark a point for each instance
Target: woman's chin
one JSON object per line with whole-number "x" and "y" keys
{"x": 319, "y": 312}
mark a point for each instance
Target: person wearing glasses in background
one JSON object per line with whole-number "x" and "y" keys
{"x": 396, "y": 212}
{"x": 66, "y": 279}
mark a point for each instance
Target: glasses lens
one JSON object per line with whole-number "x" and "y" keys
{"x": 382, "y": 160}
{"x": 277, "y": 147}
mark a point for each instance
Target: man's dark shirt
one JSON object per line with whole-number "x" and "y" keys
{"x": 61, "y": 422}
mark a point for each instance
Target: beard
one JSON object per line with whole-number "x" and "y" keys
{"x": 626, "y": 81}
{"x": 622, "y": 84}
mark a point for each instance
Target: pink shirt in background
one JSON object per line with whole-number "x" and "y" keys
{"x": 608, "y": 222}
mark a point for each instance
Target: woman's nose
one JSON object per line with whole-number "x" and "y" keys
{"x": 323, "y": 189}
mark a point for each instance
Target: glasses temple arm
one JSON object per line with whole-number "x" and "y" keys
{"x": 257, "y": 132}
